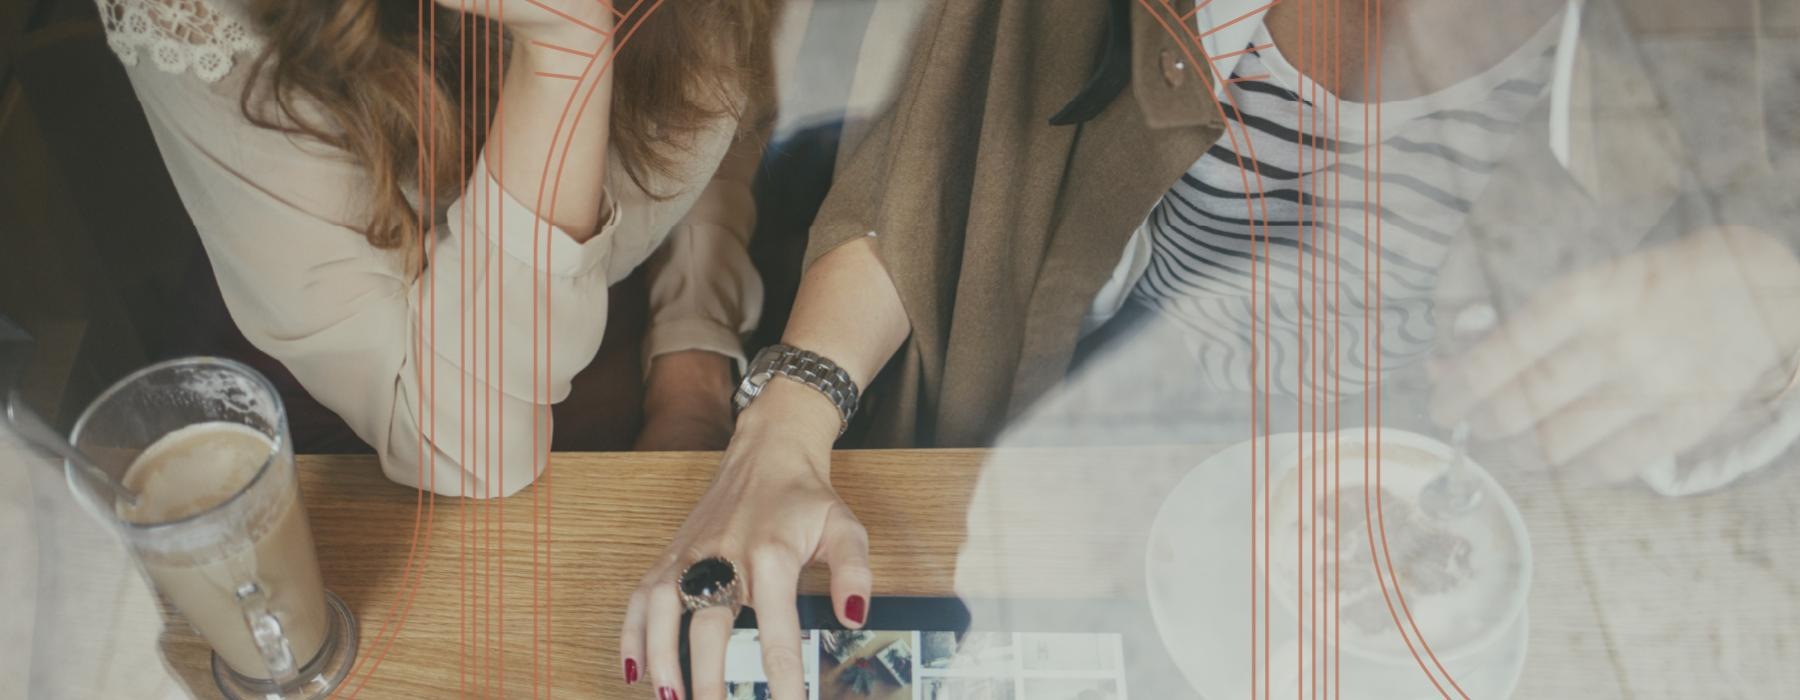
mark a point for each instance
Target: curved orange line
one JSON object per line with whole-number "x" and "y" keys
{"x": 1377, "y": 515}
{"x": 1243, "y": 151}
{"x": 413, "y": 566}
{"x": 544, "y": 183}
{"x": 1188, "y": 52}
{"x": 413, "y": 569}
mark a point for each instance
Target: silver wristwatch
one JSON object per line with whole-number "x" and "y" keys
{"x": 801, "y": 366}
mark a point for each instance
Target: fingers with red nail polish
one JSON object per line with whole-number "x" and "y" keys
{"x": 846, "y": 550}
{"x": 856, "y": 609}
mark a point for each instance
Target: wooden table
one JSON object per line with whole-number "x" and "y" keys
{"x": 1636, "y": 596}
{"x": 610, "y": 514}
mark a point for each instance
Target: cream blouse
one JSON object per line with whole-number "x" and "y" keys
{"x": 448, "y": 372}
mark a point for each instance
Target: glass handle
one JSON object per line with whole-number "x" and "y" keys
{"x": 266, "y": 630}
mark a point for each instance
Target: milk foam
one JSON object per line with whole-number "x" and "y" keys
{"x": 1458, "y": 577}
{"x": 193, "y": 469}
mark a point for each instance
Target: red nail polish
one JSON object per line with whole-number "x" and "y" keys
{"x": 855, "y": 608}
{"x": 631, "y": 675}
{"x": 666, "y": 694}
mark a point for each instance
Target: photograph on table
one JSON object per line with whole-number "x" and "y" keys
{"x": 1097, "y": 653}
{"x": 954, "y": 688}
{"x": 971, "y": 653}
{"x": 1071, "y": 689}
{"x": 897, "y": 658}
{"x": 867, "y": 666}
{"x": 840, "y": 644}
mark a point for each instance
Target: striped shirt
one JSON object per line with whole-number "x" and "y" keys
{"x": 1289, "y": 199}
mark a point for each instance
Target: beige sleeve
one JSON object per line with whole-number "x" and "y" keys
{"x": 704, "y": 292}
{"x": 450, "y": 374}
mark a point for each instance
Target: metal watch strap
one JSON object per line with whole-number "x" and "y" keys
{"x": 802, "y": 366}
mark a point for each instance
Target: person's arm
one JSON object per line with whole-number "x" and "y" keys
{"x": 548, "y": 141}
{"x": 705, "y": 294}
{"x": 771, "y": 508}
{"x": 1671, "y": 362}
{"x": 849, "y": 311}
{"x": 438, "y": 371}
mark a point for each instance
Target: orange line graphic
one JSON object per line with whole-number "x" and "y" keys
{"x": 545, "y": 183}
{"x": 414, "y": 566}
{"x": 1246, "y": 151}
{"x": 1368, "y": 301}
{"x": 1314, "y": 42}
{"x": 1197, "y": 8}
{"x": 567, "y": 16}
{"x": 1323, "y": 337}
{"x": 1239, "y": 52}
{"x": 1376, "y": 516}
{"x": 496, "y": 477}
{"x": 558, "y": 47}
{"x": 1336, "y": 400}
{"x": 538, "y": 661}
{"x": 1235, "y": 20}
{"x": 1379, "y": 516}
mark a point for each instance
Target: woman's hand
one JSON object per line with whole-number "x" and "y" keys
{"x": 771, "y": 510}
{"x": 687, "y": 403}
{"x": 1638, "y": 359}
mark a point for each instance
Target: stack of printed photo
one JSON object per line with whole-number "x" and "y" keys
{"x": 908, "y": 665}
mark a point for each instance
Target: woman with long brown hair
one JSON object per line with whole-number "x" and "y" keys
{"x": 418, "y": 208}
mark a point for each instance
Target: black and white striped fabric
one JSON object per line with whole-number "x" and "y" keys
{"x": 1282, "y": 200}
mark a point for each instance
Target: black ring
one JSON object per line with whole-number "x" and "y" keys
{"x": 710, "y": 582}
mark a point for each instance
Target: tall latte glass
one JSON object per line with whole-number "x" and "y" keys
{"x": 218, "y": 526}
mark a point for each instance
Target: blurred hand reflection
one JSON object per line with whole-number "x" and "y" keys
{"x": 1636, "y": 360}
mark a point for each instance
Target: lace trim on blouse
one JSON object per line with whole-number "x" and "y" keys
{"x": 180, "y": 36}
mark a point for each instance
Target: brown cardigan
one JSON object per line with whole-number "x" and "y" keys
{"x": 998, "y": 228}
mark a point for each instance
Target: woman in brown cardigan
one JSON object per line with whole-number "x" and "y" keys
{"x": 998, "y": 213}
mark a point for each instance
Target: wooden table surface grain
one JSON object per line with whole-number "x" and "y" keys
{"x": 1635, "y": 595}
{"x": 609, "y": 516}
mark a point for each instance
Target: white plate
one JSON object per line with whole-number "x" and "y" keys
{"x": 1198, "y": 571}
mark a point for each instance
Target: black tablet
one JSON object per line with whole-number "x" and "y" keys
{"x": 949, "y": 649}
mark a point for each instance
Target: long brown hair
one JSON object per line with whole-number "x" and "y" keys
{"x": 356, "y": 74}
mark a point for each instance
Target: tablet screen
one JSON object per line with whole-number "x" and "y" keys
{"x": 874, "y": 664}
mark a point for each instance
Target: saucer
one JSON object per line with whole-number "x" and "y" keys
{"x": 1198, "y": 572}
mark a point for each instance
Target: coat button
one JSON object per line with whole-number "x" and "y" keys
{"x": 1174, "y": 69}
